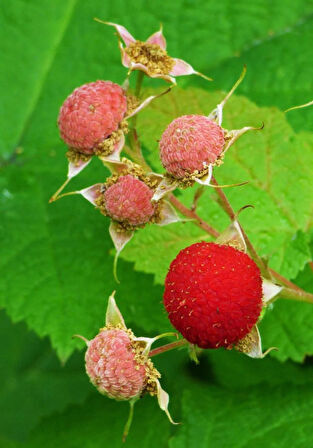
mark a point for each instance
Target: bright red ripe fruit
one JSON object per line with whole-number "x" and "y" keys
{"x": 189, "y": 144}
{"x": 213, "y": 294}
{"x": 90, "y": 114}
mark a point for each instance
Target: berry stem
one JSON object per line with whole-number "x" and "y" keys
{"x": 191, "y": 214}
{"x": 225, "y": 204}
{"x": 140, "y": 76}
{"x": 284, "y": 281}
{"x": 199, "y": 192}
{"x": 130, "y": 419}
{"x": 168, "y": 347}
{"x": 292, "y": 294}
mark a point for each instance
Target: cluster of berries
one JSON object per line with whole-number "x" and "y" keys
{"x": 214, "y": 292}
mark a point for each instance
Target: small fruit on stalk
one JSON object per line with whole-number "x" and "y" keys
{"x": 192, "y": 145}
{"x": 214, "y": 294}
{"x": 93, "y": 121}
{"x": 151, "y": 56}
{"x": 127, "y": 199}
{"x": 119, "y": 366}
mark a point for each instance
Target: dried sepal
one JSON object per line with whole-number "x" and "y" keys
{"x": 158, "y": 38}
{"x": 182, "y": 68}
{"x": 120, "y": 239}
{"x": 251, "y": 344}
{"x": 232, "y": 136}
{"x": 150, "y": 341}
{"x": 166, "y": 185}
{"x": 206, "y": 179}
{"x": 301, "y": 106}
{"x": 233, "y": 236}
{"x": 173, "y": 66}
{"x": 217, "y": 113}
{"x": 73, "y": 170}
{"x": 163, "y": 400}
{"x": 91, "y": 193}
{"x": 113, "y": 316}
{"x": 147, "y": 101}
{"x": 168, "y": 214}
{"x": 270, "y": 290}
{"x": 115, "y": 166}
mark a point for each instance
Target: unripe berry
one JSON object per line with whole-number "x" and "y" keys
{"x": 189, "y": 144}
{"x": 112, "y": 366}
{"x": 129, "y": 201}
{"x": 213, "y": 294}
{"x": 90, "y": 114}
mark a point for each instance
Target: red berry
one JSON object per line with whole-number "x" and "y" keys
{"x": 189, "y": 144}
{"x": 90, "y": 114}
{"x": 112, "y": 367}
{"x": 213, "y": 294}
{"x": 129, "y": 200}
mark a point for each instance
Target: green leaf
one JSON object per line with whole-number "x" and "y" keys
{"x": 278, "y": 73}
{"x": 33, "y": 383}
{"x": 100, "y": 421}
{"x": 57, "y": 262}
{"x": 260, "y": 416}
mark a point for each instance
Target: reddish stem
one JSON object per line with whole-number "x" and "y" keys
{"x": 231, "y": 213}
{"x": 167, "y": 347}
{"x": 193, "y": 215}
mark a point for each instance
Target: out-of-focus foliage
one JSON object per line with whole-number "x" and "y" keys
{"x": 56, "y": 260}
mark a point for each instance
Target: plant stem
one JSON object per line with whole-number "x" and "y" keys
{"x": 292, "y": 294}
{"x": 168, "y": 347}
{"x": 193, "y": 215}
{"x": 284, "y": 281}
{"x": 230, "y": 212}
{"x": 140, "y": 76}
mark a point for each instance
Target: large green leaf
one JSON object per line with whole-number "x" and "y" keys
{"x": 258, "y": 417}
{"x": 49, "y": 48}
{"x": 33, "y": 384}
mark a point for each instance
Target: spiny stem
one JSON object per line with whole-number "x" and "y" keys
{"x": 292, "y": 294}
{"x": 168, "y": 347}
{"x": 231, "y": 213}
{"x": 191, "y": 214}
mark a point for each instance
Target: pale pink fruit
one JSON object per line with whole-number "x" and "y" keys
{"x": 111, "y": 365}
{"x": 189, "y": 144}
{"x": 90, "y": 114}
{"x": 129, "y": 200}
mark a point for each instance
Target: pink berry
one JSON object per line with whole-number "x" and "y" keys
{"x": 112, "y": 367}
{"x": 90, "y": 114}
{"x": 189, "y": 144}
{"x": 129, "y": 200}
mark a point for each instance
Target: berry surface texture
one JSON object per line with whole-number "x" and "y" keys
{"x": 213, "y": 294}
{"x": 129, "y": 200}
{"x": 111, "y": 365}
{"x": 90, "y": 114}
{"x": 189, "y": 144}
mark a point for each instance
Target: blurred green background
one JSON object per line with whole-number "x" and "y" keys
{"x": 55, "y": 259}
